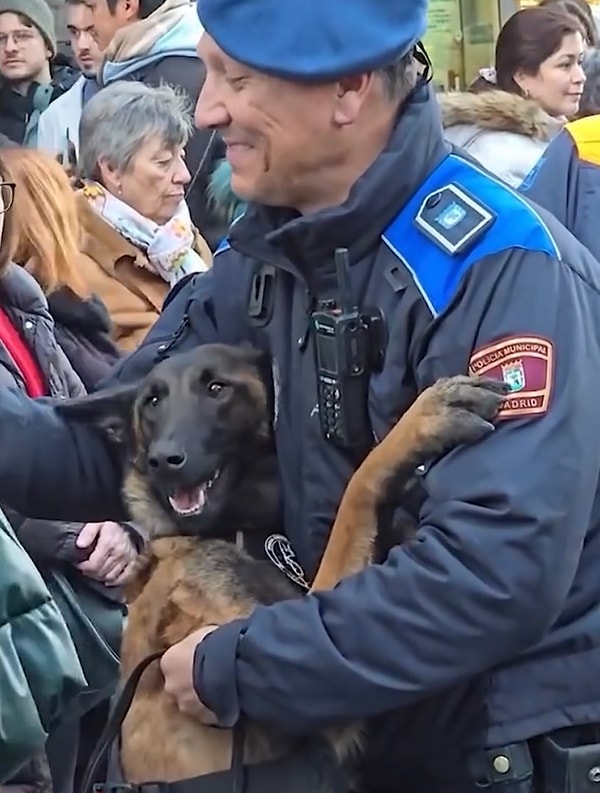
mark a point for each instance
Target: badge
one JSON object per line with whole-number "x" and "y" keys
{"x": 452, "y": 219}
{"x": 526, "y": 365}
{"x": 279, "y": 551}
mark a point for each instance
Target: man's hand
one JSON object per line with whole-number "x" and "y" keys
{"x": 113, "y": 558}
{"x": 177, "y": 666}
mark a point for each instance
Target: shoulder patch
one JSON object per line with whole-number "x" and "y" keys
{"x": 491, "y": 216}
{"x": 526, "y": 365}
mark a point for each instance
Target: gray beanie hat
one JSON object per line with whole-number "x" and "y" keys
{"x": 39, "y": 12}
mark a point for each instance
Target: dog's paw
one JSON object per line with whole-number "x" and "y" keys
{"x": 457, "y": 410}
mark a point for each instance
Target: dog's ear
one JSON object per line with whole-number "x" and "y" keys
{"x": 266, "y": 370}
{"x": 250, "y": 351}
{"x": 256, "y": 356}
{"x": 109, "y": 409}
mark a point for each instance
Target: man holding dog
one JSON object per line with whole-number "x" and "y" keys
{"x": 473, "y": 650}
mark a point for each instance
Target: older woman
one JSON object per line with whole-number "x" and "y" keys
{"x": 138, "y": 238}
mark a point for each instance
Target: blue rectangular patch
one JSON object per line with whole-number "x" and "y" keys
{"x": 451, "y": 215}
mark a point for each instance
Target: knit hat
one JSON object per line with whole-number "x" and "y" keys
{"x": 39, "y": 12}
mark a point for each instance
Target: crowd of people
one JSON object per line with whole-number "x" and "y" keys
{"x": 137, "y": 183}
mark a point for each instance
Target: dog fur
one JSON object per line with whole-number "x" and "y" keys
{"x": 207, "y": 411}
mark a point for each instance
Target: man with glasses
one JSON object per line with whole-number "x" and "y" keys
{"x": 27, "y": 47}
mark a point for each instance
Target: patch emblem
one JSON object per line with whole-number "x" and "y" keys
{"x": 526, "y": 365}
{"x": 451, "y": 216}
{"x": 279, "y": 551}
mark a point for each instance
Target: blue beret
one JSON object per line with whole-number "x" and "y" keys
{"x": 314, "y": 40}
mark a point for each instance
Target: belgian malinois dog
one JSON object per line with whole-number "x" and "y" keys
{"x": 197, "y": 442}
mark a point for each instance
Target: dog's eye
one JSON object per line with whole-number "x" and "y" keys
{"x": 215, "y": 387}
{"x": 152, "y": 400}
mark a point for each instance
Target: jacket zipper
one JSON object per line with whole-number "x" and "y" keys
{"x": 164, "y": 349}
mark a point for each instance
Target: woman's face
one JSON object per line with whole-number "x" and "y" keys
{"x": 154, "y": 184}
{"x": 558, "y": 84}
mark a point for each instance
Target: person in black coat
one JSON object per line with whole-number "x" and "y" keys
{"x": 70, "y": 350}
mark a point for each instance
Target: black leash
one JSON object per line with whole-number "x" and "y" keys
{"x": 112, "y": 729}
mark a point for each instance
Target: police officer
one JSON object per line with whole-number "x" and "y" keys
{"x": 484, "y": 633}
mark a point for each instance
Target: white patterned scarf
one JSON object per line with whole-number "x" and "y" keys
{"x": 169, "y": 248}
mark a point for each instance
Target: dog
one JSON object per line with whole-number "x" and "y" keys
{"x": 199, "y": 470}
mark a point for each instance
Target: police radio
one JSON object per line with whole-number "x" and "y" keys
{"x": 349, "y": 346}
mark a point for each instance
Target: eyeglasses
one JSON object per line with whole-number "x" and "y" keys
{"x": 18, "y": 36}
{"x": 7, "y": 191}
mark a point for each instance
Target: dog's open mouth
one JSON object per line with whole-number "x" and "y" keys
{"x": 191, "y": 501}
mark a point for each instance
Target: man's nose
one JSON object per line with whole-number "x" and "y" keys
{"x": 85, "y": 42}
{"x": 11, "y": 43}
{"x": 166, "y": 457}
{"x": 211, "y": 112}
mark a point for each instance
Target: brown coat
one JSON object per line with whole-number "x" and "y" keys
{"x": 117, "y": 272}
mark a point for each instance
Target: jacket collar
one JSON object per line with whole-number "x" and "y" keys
{"x": 499, "y": 111}
{"x": 21, "y": 292}
{"x": 84, "y": 316}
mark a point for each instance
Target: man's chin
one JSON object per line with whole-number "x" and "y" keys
{"x": 17, "y": 75}
{"x": 243, "y": 186}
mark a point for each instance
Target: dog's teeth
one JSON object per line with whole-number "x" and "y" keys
{"x": 211, "y": 481}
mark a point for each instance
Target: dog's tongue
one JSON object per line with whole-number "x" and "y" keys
{"x": 188, "y": 500}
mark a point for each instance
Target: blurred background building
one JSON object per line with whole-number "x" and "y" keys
{"x": 462, "y": 34}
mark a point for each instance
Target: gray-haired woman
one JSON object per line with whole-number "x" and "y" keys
{"x": 138, "y": 239}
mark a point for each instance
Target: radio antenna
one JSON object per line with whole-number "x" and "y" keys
{"x": 342, "y": 267}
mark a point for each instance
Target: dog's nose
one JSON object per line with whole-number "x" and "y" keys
{"x": 167, "y": 457}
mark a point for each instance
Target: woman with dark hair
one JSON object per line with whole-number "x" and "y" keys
{"x": 537, "y": 84}
{"x": 566, "y": 180}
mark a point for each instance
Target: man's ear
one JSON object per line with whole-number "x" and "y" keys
{"x": 110, "y": 410}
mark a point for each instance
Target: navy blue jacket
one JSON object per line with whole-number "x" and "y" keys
{"x": 486, "y": 628}
{"x": 566, "y": 180}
